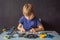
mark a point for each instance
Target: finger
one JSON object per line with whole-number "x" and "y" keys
{"x": 31, "y": 31}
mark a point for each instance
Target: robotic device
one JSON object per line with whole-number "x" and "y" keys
{"x": 28, "y": 35}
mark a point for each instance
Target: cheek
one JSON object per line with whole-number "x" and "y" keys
{"x": 25, "y": 11}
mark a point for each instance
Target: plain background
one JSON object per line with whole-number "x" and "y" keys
{"x": 47, "y": 10}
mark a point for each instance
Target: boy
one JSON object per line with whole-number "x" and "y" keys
{"x": 29, "y": 22}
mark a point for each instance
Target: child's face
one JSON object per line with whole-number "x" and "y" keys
{"x": 25, "y": 11}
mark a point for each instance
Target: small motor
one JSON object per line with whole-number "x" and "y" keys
{"x": 31, "y": 36}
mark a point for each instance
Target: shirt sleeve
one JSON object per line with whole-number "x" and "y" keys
{"x": 21, "y": 20}
{"x": 38, "y": 22}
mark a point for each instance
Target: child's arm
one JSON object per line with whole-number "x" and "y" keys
{"x": 40, "y": 28}
{"x": 20, "y": 28}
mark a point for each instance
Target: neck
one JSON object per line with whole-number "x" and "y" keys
{"x": 29, "y": 17}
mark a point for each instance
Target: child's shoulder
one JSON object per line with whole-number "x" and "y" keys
{"x": 22, "y": 17}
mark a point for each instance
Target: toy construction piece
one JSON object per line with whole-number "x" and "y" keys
{"x": 8, "y": 37}
{"x": 42, "y": 35}
{"x": 4, "y": 30}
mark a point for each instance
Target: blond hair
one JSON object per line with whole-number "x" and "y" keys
{"x": 29, "y": 7}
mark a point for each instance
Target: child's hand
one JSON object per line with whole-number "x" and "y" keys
{"x": 32, "y": 30}
{"x": 22, "y": 30}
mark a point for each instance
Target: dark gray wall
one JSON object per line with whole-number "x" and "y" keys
{"x": 47, "y": 10}
{"x": 9, "y": 13}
